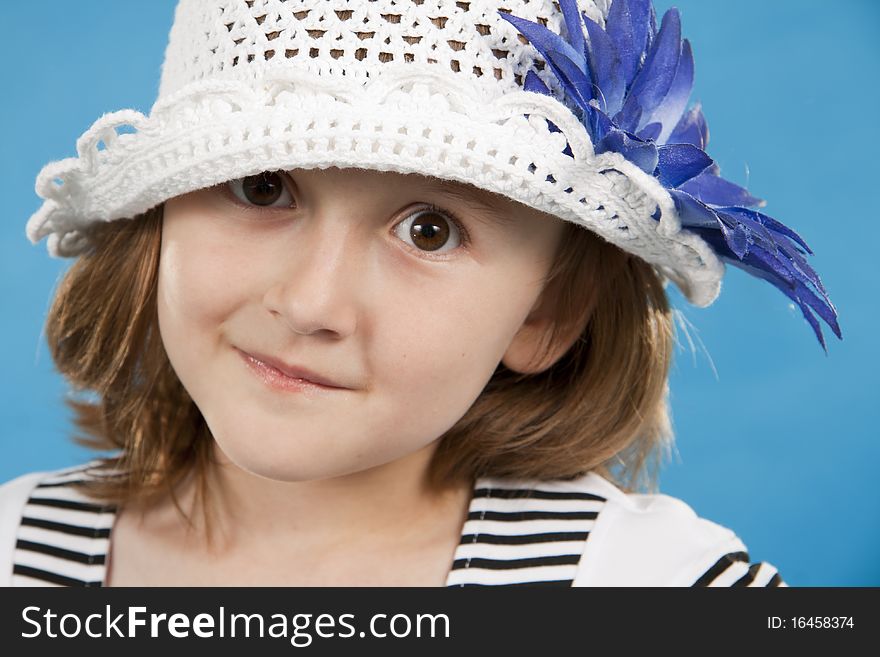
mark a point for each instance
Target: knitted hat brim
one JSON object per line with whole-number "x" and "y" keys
{"x": 210, "y": 132}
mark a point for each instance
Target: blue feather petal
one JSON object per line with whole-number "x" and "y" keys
{"x": 711, "y": 188}
{"x": 814, "y": 324}
{"x": 573, "y": 25}
{"x": 536, "y": 84}
{"x": 697, "y": 216}
{"x": 679, "y": 163}
{"x": 823, "y": 306}
{"x": 767, "y": 238}
{"x": 826, "y": 311}
{"x": 627, "y": 25}
{"x": 567, "y": 64}
{"x": 654, "y": 79}
{"x": 543, "y": 39}
{"x": 693, "y": 213}
{"x": 629, "y": 117}
{"x": 604, "y": 65}
{"x": 670, "y": 110}
{"x": 776, "y": 270}
{"x": 794, "y": 296}
{"x": 576, "y": 84}
{"x": 788, "y": 291}
{"x": 773, "y": 263}
{"x": 598, "y": 124}
{"x": 770, "y": 222}
{"x": 786, "y": 283}
{"x": 799, "y": 262}
{"x": 756, "y": 231}
{"x": 652, "y": 32}
{"x": 737, "y": 239}
{"x": 650, "y": 131}
{"x": 691, "y": 129}
{"x": 642, "y": 154}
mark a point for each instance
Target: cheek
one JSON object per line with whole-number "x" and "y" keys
{"x": 195, "y": 291}
{"x": 440, "y": 352}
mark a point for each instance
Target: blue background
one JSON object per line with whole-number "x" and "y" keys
{"x": 775, "y": 440}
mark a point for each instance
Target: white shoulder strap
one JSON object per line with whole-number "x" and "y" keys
{"x": 14, "y": 495}
{"x": 649, "y": 540}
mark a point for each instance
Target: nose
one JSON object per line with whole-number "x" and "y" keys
{"x": 315, "y": 280}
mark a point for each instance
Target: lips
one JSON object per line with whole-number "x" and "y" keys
{"x": 293, "y": 371}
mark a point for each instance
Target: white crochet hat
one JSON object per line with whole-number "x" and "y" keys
{"x": 419, "y": 86}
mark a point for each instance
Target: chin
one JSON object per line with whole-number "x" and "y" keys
{"x": 292, "y": 465}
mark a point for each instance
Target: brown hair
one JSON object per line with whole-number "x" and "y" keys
{"x": 601, "y": 406}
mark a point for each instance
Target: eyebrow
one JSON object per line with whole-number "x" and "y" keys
{"x": 482, "y": 210}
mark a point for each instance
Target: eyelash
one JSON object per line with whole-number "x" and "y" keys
{"x": 430, "y": 207}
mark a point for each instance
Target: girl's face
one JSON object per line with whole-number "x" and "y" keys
{"x": 349, "y": 274}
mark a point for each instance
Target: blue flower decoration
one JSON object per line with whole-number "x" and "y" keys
{"x": 631, "y": 84}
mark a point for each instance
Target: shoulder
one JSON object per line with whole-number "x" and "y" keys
{"x": 13, "y": 496}
{"x": 40, "y": 496}
{"x": 17, "y": 490}
{"x": 658, "y": 540}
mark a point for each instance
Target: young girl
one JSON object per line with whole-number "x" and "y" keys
{"x": 375, "y": 296}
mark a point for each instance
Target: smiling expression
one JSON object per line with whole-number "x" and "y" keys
{"x": 405, "y": 296}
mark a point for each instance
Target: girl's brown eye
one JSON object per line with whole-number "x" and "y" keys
{"x": 265, "y": 189}
{"x": 429, "y": 230}
{"x": 427, "y": 233}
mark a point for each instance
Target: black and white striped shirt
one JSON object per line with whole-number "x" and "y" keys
{"x": 584, "y": 532}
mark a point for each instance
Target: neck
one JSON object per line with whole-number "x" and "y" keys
{"x": 385, "y": 505}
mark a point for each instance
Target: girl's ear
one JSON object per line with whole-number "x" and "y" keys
{"x": 533, "y": 348}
